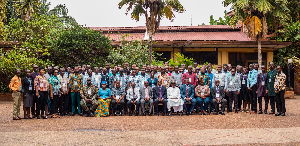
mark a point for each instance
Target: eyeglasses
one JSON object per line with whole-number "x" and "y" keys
{"x": 89, "y": 80}
{"x": 55, "y": 72}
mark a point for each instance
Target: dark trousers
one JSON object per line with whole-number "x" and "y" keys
{"x": 193, "y": 101}
{"x": 129, "y": 105}
{"x": 239, "y": 101}
{"x": 34, "y": 103}
{"x": 227, "y": 98}
{"x": 70, "y": 104}
{"x": 63, "y": 103}
{"x": 266, "y": 103}
{"x": 54, "y": 104}
{"x": 233, "y": 97}
{"x": 114, "y": 103}
{"x": 253, "y": 98}
{"x": 281, "y": 102}
{"x": 165, "y": 101}
{"x": 223, "y": 102}
{"x": 273, "y": 100}
{"x": 41, "y": 102}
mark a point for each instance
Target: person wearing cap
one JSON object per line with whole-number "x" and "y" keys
{"x": 104, "y": 98}
{"x": 16, "y": 86}
{"x": 88, "y": 94}
{"x": 174, "y": 98}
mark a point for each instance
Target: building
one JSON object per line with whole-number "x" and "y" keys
{"x": 217, "y": 44}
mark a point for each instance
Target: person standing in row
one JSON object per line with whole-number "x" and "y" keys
{"x": 270, "y": 87}
{"x": 244, "y": 94}
{"x": 190, "y": 76}
{"x": 27, "y": 89}
{"x": 64, "y": 92}
{"x": 279, "y": 87}
{"x": 177, "y": 77}
{"x": 41, "y": 87}
{"x": 16, "y": 86}
{"x": 76, "y": 84}
{"x": 233, "y": 87}
{"x": 33, "y": 76}
{"x": 261, "y": 90}
{"x": 252, "y": 87}
{"x": 54, "y": 84}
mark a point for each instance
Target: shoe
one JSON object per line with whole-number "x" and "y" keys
{"x": 222, "y": 113}
{"x": 187, "y": 113}
{"x": 216, "y": 113}
{"x": 86, "y": 114}
{"x": 169, "y": 114}
{"x": 16, "y": 118}
{"x": 253, "y": 112}
{"x": 277, "y": 114}
{"x": 191, "y": 113}
{"x": 149, "y": 114}
{"x": 45, "y": 117}
{"x": 92, "y": 114}
{"x": 114, "y": 113}
{"x": 136, "y": 113}
{"x": 163, "y": 114}
{"x": 72, "y": 114}
{"x": 181, "y": 113}
{"x": 121, "y": 113}
{"x": 39, "y": 117}
{"x": 266, "y": 112}
{"x": 130, "y": 114}
{"x": 282, "y": 114}
{"x": 157, "y": 114}
{"x": 260, "y": 112}
{"x": 80, "y": 114}
{"x": 62, "y": 114}
{"x": 236, "y": 111}
{"x": 33, "y": 116}
{"x": 144, "y": 114}
{"x": 271, "y": 113}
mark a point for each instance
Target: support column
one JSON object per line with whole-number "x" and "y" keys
{"x": 269, "y": 57}
{"x": 224, "y": 57}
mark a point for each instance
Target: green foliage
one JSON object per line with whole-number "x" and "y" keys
{"x": 220, "y": 21}
{"x": 180, "y": 59}
{"x": 132, "y": 52}
{"x": 78, "y": 45}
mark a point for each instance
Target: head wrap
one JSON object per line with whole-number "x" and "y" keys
{"x": 103, "y": 82}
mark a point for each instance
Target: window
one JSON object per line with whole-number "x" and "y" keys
{"x": 245, "y": 59}
{"x": 166, "y": 56}
{"x": 203, "y": 57}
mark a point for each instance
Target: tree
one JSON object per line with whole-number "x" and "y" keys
{"x": 27, "y": 8}
{"x": 132, "y": 52}
{"x": 154, "y": 11}
{"x": 78, "y": 45}
{"x": 257, "y": 16}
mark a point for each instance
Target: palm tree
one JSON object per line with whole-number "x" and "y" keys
{"x": 257, "y": 16}
{"x": 154, "y": 11}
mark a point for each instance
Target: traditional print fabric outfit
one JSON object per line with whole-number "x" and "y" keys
{"x": 122, "y": 79}
{"x": 42, "y": 83}
{"x": 54, "y": 81}
{"x": 75, "y": 82}
{"x": 221, "y": 77}
{"x": 165, "y": 80}
{"x": 63, "y": 82}
{"x": 103, "y": 104}
{"x": 205, "y": 77}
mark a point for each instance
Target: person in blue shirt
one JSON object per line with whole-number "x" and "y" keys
{"x": 187, "y": 95}
{"x": 252, "y": 87}
{"x": 152, "y": 80}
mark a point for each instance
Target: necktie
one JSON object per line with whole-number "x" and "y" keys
{"x": 133, "y": 93}
{"x": 187, "y": 92}
{"x": 159, "y": 92}
{"x": 146, "y": 92}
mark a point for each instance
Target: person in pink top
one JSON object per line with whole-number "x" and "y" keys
{"x": 191, "y": 76}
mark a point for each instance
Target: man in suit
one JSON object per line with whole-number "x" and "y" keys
{"x": 160, "y": 95}
{"x": 133, "y": 98}
{"x": 218, "y": 96}
{"x": 146, "y": 96}
{"x": 187, "y": 95}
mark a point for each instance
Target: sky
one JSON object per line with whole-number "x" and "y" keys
{"x": 105, "y": 13}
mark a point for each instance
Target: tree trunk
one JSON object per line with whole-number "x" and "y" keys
{"x": 259, "y": 50}
{"x": 150, "y": 49}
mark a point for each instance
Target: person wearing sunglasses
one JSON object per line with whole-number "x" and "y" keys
{"x": 54, "y": 93}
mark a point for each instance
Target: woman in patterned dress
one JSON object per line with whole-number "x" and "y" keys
{"x": 202, "y": 92}
{"x": 104, "y": 98}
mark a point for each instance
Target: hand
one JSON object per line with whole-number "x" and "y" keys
{"x": 267, "y": 91}
{"x": 60, "y": 95}
{"x": 51, "y": 95}
{"x": 249, "y": 88}
{"x": 18, "y": 90}
{"x": 134, "y": 102}
{"x": 76, "y": 90}
{"x": 37, "y": 94}
{"x": 224, "y": 90}
{"x": 131, "y": 101}
{"x": 24, "y": 96}
{"x": 238, "y": 92}
{"x": 256, "y": 92}
{"x": 219, "y": 100}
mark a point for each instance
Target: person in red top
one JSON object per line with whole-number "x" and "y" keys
{"x": 191, "y": 76}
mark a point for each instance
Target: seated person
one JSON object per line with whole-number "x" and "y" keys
{"x": 218, "y": 96}
{"x": 174, "y": 99}
{"x": 118, "y": 97}
{"x": 89, "y": 95}
{"x": 146, "y": 96}
{"x": 104, "y": 98}
{"x": 202, "y": 92}
{"x": 187, "y": 95}
{"x": 160, "y": 96}
{"x": 133, "y": 97}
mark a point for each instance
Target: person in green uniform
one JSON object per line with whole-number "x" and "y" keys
{"x": 88, "y": 94}
{"x": 270, "y": 87}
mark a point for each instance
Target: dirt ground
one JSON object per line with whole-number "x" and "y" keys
{"x": 231, "y": 129}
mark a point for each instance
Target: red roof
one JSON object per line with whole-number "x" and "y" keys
{"x": 178, "y": 33}
{"x": 199, "y": 36}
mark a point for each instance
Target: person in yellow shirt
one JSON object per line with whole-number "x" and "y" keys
{"x": 16, "y": 86}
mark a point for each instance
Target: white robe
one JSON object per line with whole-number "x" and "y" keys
{"x": 177, "y": 104}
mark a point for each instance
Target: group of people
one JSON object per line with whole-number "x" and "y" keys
{"x": 126, "y": 90}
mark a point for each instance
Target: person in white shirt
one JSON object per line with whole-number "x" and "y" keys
{"x": 174, "y": 99}
{"x": 133, "y": 97}
{"x": 219, "y": 76}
